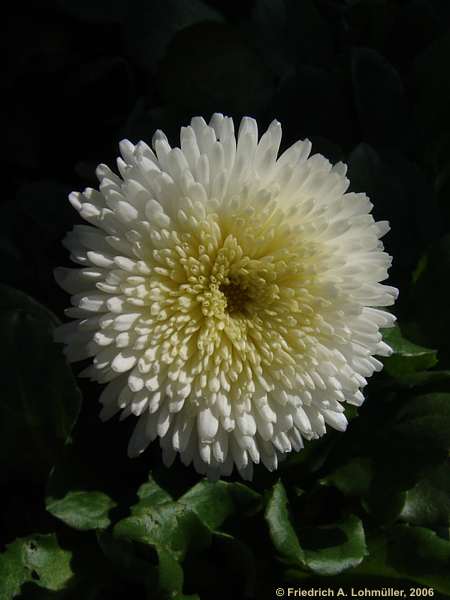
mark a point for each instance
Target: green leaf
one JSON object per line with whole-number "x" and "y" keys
{"x": 331, "y": 549}
{"x": 169, "y": 525}
{"x": 281, "y": 530}
{"x": 82, "y": 509}
{"x": 11, "y": 298}
{"x": 161, "y": 522}
{"x": 40, "y": 401}
{"x": 150, "y": 494}
{"x": 407, "y": 357}
{"x": 375, "y": 564}
{"x": 384, "y": 501}
{"x": 428, "y": 503}
{"x": 441, "y": 379}
{"x": 396, "y": 554}
{"x": 171, "y": 528}
{"x": 240, "y": 561}
{"x": 164, "y": 575}
{"x": 369, "y": 478}
{"x": 425, "y": 422}
{"x": 325, "y": 550}
{"x": 428, "y": 308}
{"x": 213, "y": 502}
{"x": 125, "y": 556}
{"x": 38, "y": 559}
{"x": 413, "y": 437}
{"x": 420, "y": 553}
{"x": 311, "y": 459}
{"x": 171, "y": 577}
{"x": 352, "y": 478}
{"x": 399, "y": 443}
{"x": 75, "y": 494}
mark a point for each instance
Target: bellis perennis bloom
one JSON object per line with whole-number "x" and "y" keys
{"x": 227, "y": 295}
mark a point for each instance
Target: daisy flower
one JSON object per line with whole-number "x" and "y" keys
{"x": 228, "y": 295}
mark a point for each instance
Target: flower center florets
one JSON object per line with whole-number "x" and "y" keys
{"x": 237, "y": 297}
{"x": 237, "y": 285}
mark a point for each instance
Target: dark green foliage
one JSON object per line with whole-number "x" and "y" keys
{"x": 368, "y": 81}
{"x": 40, "y": 401}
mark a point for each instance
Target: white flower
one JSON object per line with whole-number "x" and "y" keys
{"x": 227, "y": 296}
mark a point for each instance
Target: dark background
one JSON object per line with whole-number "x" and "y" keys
{"x": 368, "y": 81}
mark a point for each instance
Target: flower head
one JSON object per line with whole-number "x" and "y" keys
{"x": 227, "y": 295}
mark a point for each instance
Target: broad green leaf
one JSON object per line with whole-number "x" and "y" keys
{"x": 411, "y": 437}
{"x": 126, "y": 557}
{"x": 281, "y": 530}
{"x": 11, "y": 298}
{"x": 428, "y": 502}
{"x": 162, "y": 576}
{"x": 352, "y": 478}
{"x": 384, "y": 562}
{"x": 332, "y": 549}
{"x": 421, "y": 554}
{"x": 40, "y": 401}
{"x": 213, "y": 502}
{"x": 384, "y": 501}
{"x": 364, "y": 477}
{"x": 325, "y": 550}
{"x": 150, "y": 494}
{"x": 38, "y": 559}
{"x": 440, "y": 379}
{"x": 161, "y": 522}
{"x": 169, "y": 525}
{"x": 241, "y": 559}
{"x": 428, "y": 306}
{"x": 170, "y": 574}
{"x": 399, "y": 443}
{"x": 171, "y": 528}
{"x": 82, "y": 509}
{"x": 75, "y": 494}
{"x": 376, "y": 562}
{"x": 311, "y": 459}
{"x": 425, "y": 422}
{"x": 407, "y": 357}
